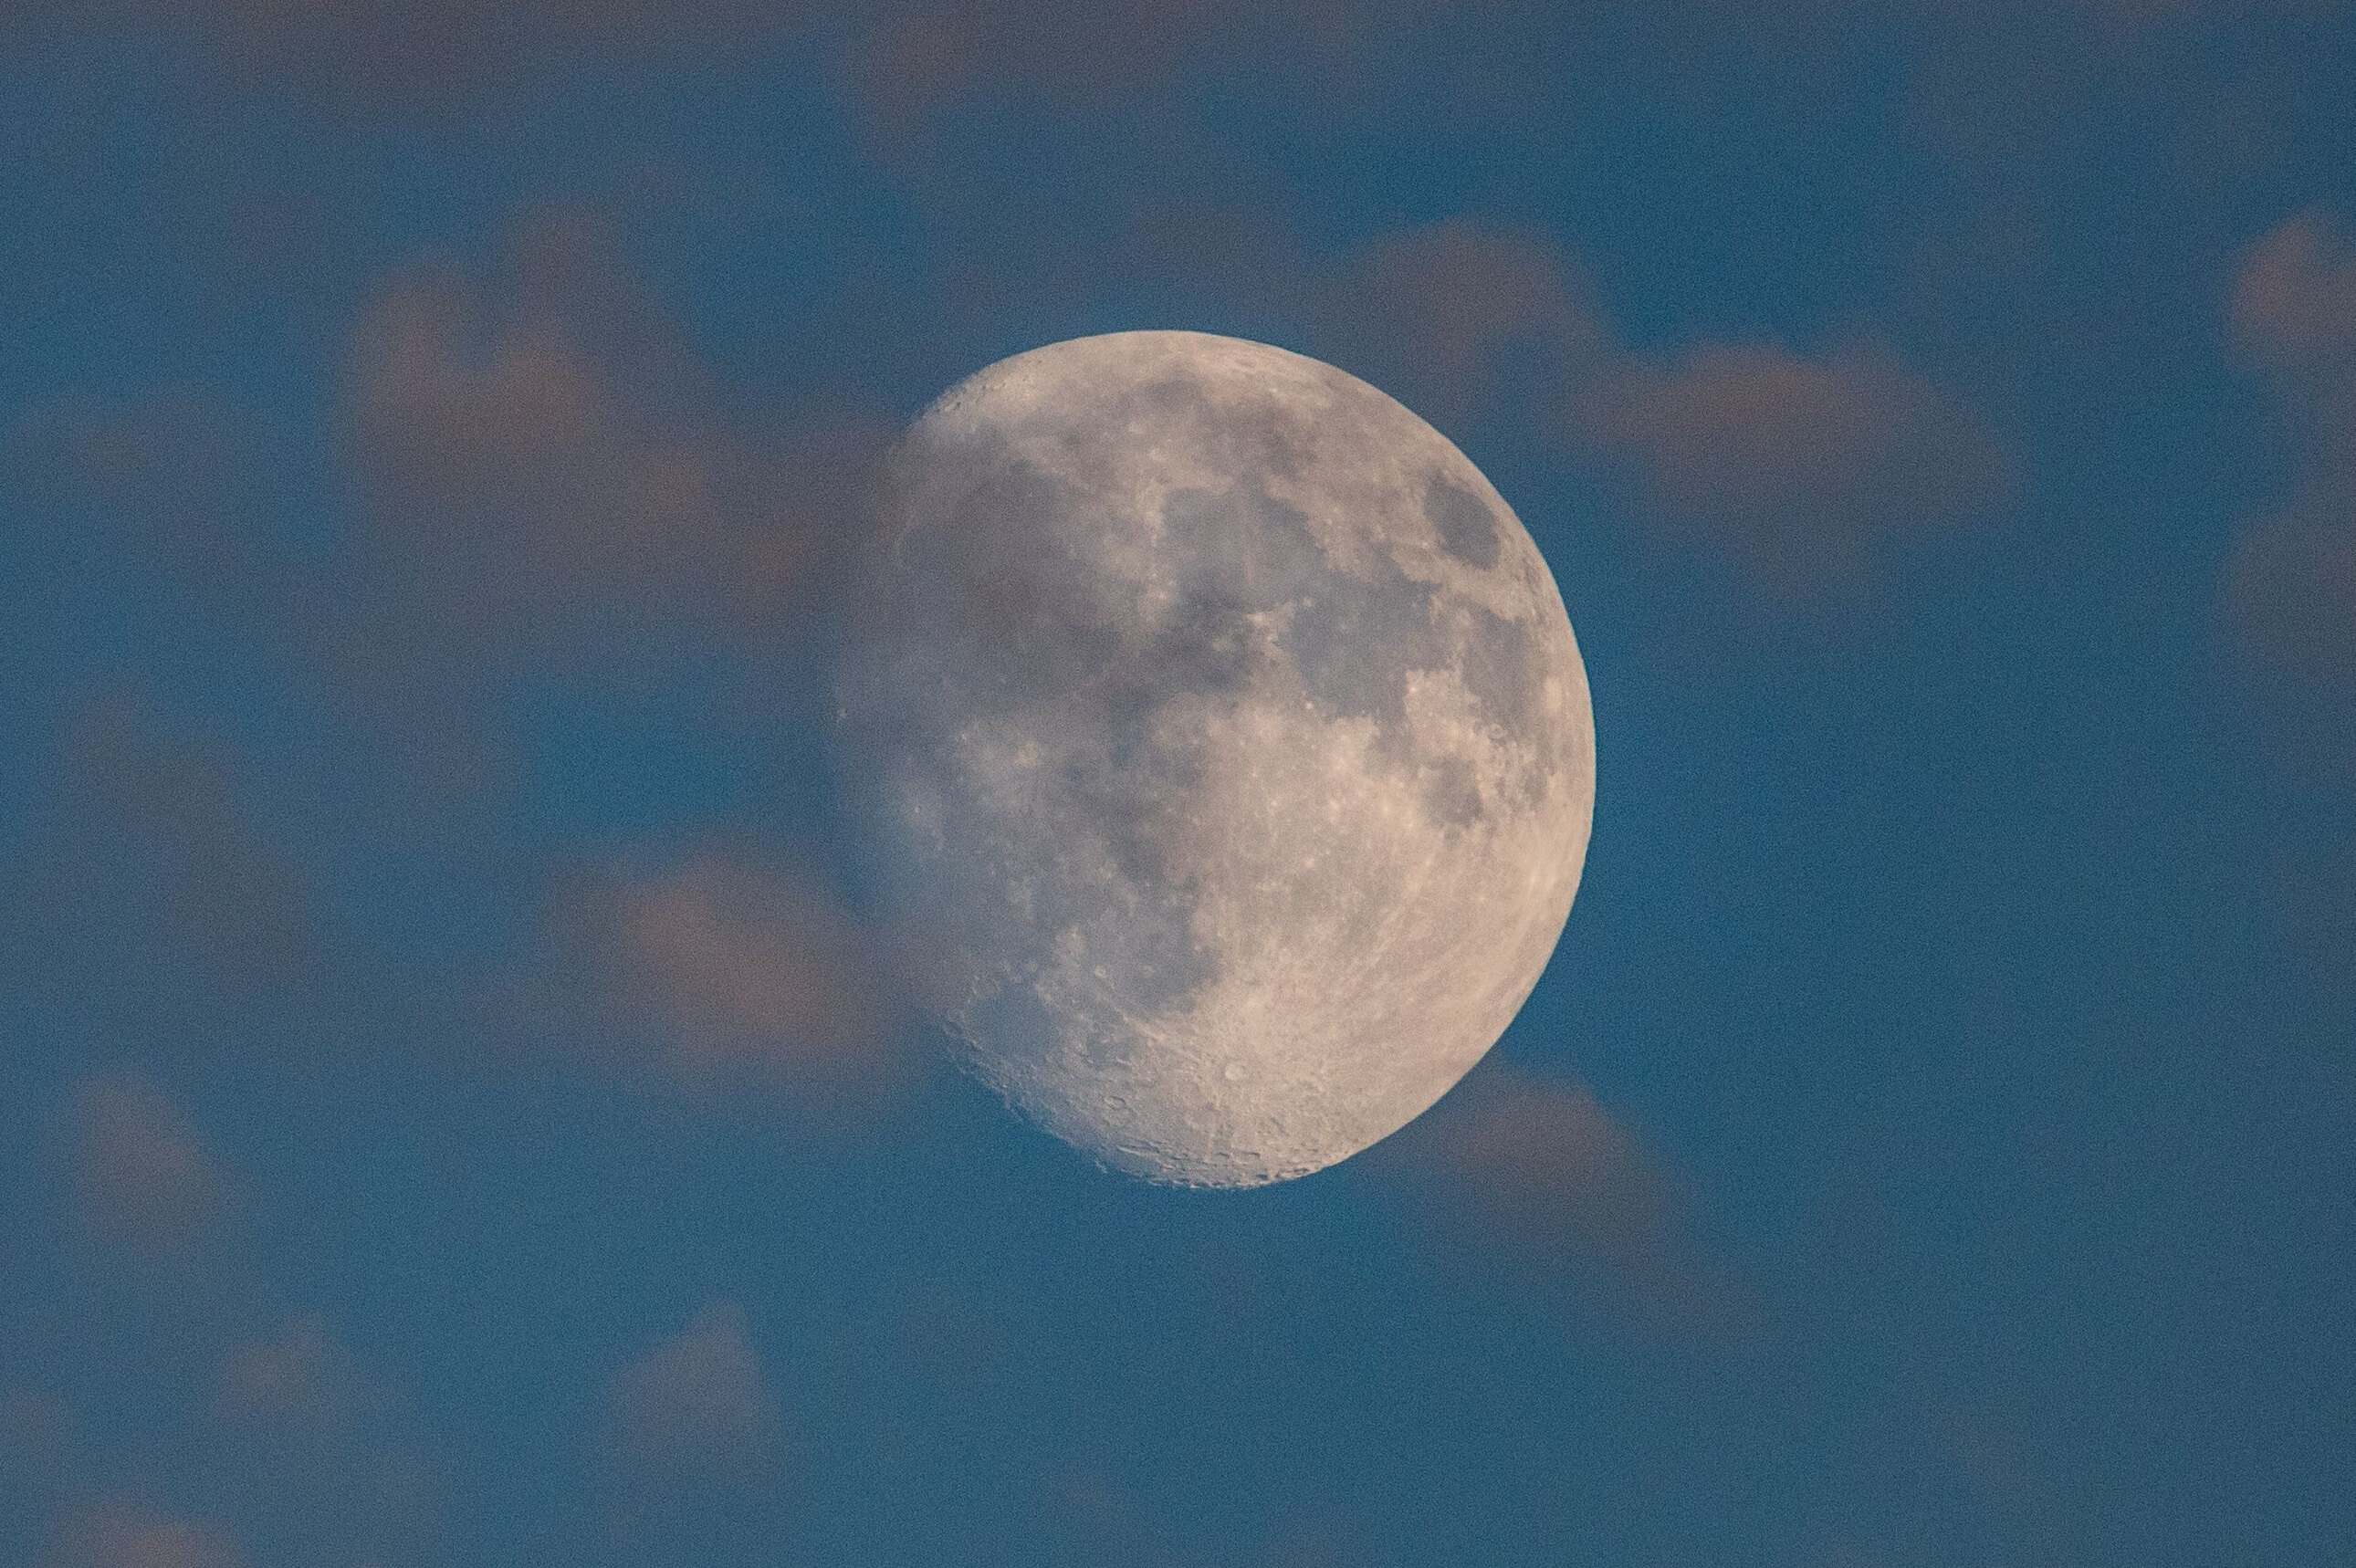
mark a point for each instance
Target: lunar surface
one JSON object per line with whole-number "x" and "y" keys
{"x": 1217, "y": 733}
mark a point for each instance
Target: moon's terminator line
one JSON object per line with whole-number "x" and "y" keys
{"x": 1222, "y": 733}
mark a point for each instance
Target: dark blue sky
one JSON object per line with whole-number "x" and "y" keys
{"x": 449, "y": 1113}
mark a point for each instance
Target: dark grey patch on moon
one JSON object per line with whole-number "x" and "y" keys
{"x": 1239, "y": 547}
{"x": 1016, "y": 618}
{"x": 1452, "y": 795}
{"x": 1351, "y": 639}
{"x": 1334, "y": 627}
{"x": 1501, "y": 667}
{"x": 1468, "y": 529}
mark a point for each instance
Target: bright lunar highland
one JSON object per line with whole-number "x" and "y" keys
{"x": 1218, "y": 733}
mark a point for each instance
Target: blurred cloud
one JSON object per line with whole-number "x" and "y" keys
{"x": 746, "y": 974}
{"x": 160, "y": 483}
{"x": 695, "y": 1413}
{"x": 1543, "y": 1181}
{"x": 39, "y": 1449}
{"x": 425, "y": 56}
{"x": 903, "y": 62}
{"x": 1461, "y": 320}
{"x": 312, "y": 1457}
{"x": 1801, "y": 470}
{"x": 154, "y": 853}
{"x": 300, "y": 1381}
{"x": 1456, "y": 317}
{"x": 906, "y": 63}
{"x": 549, "y": 491}
{"x": 557, "y": 424}
{"x": 143, "y": 1181}
{"x": 549, "y": 482}
{"x": 2289, "y": 587}
{"x": 2294, "y": 301}
{"x": 121, "y": 1536}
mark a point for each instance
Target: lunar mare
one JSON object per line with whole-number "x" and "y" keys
{"x": 1220, "y": 733}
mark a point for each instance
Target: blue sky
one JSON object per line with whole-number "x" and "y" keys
{"x": 451, "y": 1114}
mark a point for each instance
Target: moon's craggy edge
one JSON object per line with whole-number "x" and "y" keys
{"x": 1223, "y": 730}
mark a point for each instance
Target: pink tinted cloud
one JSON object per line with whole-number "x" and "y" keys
{"x": 423, "y": 56}
{"x": 1542, "y": 1179}
{"x": 696, "y": 1411}
{"x": 2288, "y": 591}
{"x": 304, "y": 1445}
{"x": 40, "y": 1449}
{"x": 556, "y": 431}
{"x": 121, "y": 1536}
{"x": 298, "y": 1381}
{"x": 157, "y": 851}
{"x": 143, "y": 1181}
{"x": 1445, "y": 312}
{"x": 906, "y": 64}
{"x": 2289, "y": 594}
{"x": 162, "y": 481}
{"x": 2294, "y": 300}
{"x": 746, "y": 974}
{"x": 1802, "y": 471}
{"x": 550, "y": 483}
{"x": 1461, "y": 320}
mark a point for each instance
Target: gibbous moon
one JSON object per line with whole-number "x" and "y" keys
{"x": 1221, "y": 732}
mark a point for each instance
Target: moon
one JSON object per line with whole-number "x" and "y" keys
{"x": 1219, "y": 731}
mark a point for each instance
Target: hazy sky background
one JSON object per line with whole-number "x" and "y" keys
{"x": 448, "y": 1114}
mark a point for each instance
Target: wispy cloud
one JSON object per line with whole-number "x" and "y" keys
{"x": 1801, "y": 470}
{"x": 1456, "y": 318}
{"x": 155, "y": 850}
{"x": 298, "y": 1381}
{"x": 312, "y": 1455}
{"x": 1464, "y": 321}
{"x": 429, "y": 56}
{"x": 144, "y": 1182}
{"x": 745, "y": 974}
{"x": 1558, "y": 1193}
{"x": 124, "y": 1536}
{"x": 2292, "y": 310}
{"x": 550, "y": 483}
{"x": 695, "y": 1413}
{"x": 907, "y": 63}
{"x": 2290, "y": 591}
{"x": 1805, "y": 474}
{"x": 39, "y": 1449}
